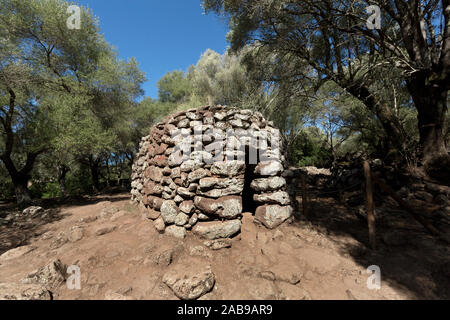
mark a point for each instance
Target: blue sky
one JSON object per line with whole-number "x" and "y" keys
{"x": 163, "y": 35}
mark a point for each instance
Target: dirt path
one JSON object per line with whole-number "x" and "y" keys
{"x": 120, "y": 254}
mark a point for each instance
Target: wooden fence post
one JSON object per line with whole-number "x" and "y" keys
{"x": 369, "y": 205}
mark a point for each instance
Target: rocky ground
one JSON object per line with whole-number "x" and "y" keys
{"x": 121, "y": 255}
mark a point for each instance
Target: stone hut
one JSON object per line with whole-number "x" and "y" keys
{"x": 200, "y": 169}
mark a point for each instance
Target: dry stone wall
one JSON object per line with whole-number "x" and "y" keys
{"x": 199, "y": 169}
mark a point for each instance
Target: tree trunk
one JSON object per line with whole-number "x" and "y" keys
{"x": 95, "y": 177}
{"x": 62, "y": 172}
{"x": 22, "y": 193}
{"x": 108, "y": 174}
{"x": 20, "y": 178}
{"x": 431, "y": 104}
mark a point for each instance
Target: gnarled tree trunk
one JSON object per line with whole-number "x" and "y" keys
{"x": 430, "y": 100}
{"x": 22, "y": 193}
{"x": 20, "y": 178}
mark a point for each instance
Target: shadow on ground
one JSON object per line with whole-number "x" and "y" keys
{"x": 410, "y": 259}
{"x": 20, "y": 229}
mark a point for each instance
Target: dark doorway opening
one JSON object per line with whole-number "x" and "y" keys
{"x": 248, "y": 204}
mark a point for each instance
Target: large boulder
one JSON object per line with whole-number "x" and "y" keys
{"x": 272, "y": 216}
{"x": 176, "y": 231}
{"x": 155, "y": 202}
{"x": 198, "y": 174}
{"x": 228, "y": 168}
{"x": 189, "y": 283}
{"x": 269, "y": 168}
{"x": 217, "y": 193}
{"x": 228, "y": 207}
{"x": 154, "y": 173}
{"x": 216, "y": 229}
{"x": 279, "y": 197}
{"x": 268, "y": 184}
{"x": 169, "y": 211}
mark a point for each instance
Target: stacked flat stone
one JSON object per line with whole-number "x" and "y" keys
{"x": 202, "y": 192}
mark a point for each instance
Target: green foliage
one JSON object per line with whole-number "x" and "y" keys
{"x": 79, "y": 181}
{"x": 300, "y": 46}
{"x": 51, "y": 190}
{"x": 63, "y": 93}
{"x": 309, "y": 149}
{"x": 174, "y": 87}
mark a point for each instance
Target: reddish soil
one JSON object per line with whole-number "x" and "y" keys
{"x": 321, "y": 256}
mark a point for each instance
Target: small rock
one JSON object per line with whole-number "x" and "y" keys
{"x": 216, "y": 229}
{"x": 108, "y": 212}
{"x": 102, "y": 230}
{"x": 159, "y": 225}
{"x": 48, "y": 235}
{"x": 50, "y": 276}
{"x": 178, "y": 199}
{"x": 32, "y": 211}
{"x": 163, "y": 258}
{"x": 118, "y": 215}
{"x": 187, "y": 206}
{"x": 193, "y": 220}
{"x": 199, "y": 251}
{"x": 59, "y": 241}
{"x": 268, "y": 275}
{"x": 169, "y": 211}
{"x": 75, "y": 234}
{"x": 218, "y": 244}
{"x": 181, "y": 219}
{"x": 88, "y": 219}
{"x": 152, "y": 214}
{"x": 111, "y": 295}
{"x": 176, "y": 231}
{"x": 202, "y": 217}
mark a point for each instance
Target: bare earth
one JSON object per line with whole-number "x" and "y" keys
{"x": 120, "y": 254}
